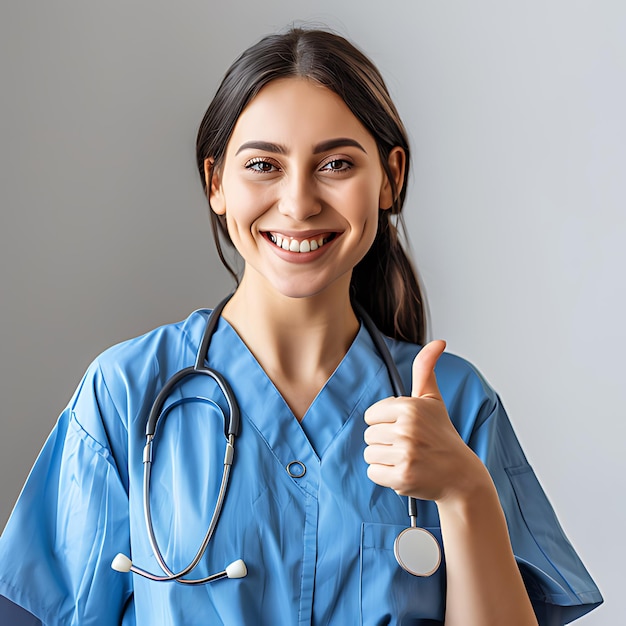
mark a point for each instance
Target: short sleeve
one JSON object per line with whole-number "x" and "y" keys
{"x": 69, "y": 521}
{"x": 559, "y": 586}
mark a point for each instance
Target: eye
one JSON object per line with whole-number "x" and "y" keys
{"x": 336, "y": 165}
{"x": 261, "y": 165}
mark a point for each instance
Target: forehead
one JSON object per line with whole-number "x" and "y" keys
{"x": 292, "y": 109}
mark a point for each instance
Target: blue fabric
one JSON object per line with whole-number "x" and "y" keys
{"x": 319, "y": 549}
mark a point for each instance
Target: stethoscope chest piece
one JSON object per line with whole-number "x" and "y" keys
{"x": 417, "y": 551}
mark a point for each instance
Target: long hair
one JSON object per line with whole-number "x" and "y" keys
{"x": 384, "y": 282}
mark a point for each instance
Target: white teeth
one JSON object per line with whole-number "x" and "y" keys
{"x": 293, "y": 245}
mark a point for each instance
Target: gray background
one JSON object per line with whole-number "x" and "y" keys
{"x": 516, "y": 210}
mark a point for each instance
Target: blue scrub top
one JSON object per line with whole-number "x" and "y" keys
{"x": 319, "y": 548}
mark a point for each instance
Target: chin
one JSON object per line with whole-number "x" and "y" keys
{"x": 304, "y": 288}
{"x": 299, "y": 292}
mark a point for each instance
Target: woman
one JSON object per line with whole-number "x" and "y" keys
{"x": 304, "y": 161}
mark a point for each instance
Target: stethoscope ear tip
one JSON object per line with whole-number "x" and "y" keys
{"x": 121, "y": 563}
{"x": 237, "y": 569}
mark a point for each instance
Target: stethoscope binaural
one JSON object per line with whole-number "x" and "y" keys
{"x": 416, "y": 550}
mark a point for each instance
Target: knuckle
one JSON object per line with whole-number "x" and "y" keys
{"x": 409, "y": 434}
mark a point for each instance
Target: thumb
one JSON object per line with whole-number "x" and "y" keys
{"x": 424, "y": 380}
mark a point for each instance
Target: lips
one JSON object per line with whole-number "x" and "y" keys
{"x": 300, "y": 244}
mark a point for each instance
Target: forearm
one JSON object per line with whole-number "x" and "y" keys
{"x": 484, "y": 585}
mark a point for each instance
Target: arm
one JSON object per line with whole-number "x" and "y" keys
{"x": 414, "y": 448}
{"x": 484, "y": 585}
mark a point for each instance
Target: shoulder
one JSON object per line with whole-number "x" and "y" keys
{"x": 164, "y": 347}
{"x": 467, "y": 394}
{"x": 118, "y": 381}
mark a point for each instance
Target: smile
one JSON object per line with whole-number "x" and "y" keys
{"x": 300, "y": 245}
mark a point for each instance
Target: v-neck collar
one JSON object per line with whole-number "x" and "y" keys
{"x": 265, "y": 407}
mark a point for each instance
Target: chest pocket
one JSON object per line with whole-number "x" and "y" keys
{"x": 389, "y": 596}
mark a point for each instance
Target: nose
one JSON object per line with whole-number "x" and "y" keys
{"x": 299, "y": 199}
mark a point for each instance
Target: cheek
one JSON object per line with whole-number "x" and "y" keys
{"x": 360, "y": 203}
{"x": 243, "y": 205}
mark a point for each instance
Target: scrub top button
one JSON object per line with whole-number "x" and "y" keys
{"x": 296, "y": 469}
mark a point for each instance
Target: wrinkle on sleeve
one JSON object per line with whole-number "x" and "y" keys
{"x": 69, "y": 522}
{"x": 558, "y": 583}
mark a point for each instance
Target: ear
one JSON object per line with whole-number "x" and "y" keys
{"x": 397, "y": 163}
{"x": 213, "y": 187}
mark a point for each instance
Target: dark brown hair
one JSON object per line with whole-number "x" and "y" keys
{"x": 384, "y": 281}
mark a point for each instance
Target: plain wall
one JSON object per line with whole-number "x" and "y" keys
{"x": 515, "y": 213}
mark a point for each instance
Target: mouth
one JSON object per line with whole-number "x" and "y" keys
{"x": 301, "y": 245}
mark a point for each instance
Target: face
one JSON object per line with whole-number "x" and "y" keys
{"x": 301, "y": 185}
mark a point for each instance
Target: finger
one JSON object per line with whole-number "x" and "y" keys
{"x": 383, "y": 475}
{"x": 379, "y": 455}
{"x": 383, "y": 411}
{"x": 424, "y": 380}
{"x": 379, "y": 434}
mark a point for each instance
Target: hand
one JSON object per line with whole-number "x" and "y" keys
{"x": 412, "y": 446}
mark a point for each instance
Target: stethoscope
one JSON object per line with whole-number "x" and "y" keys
{"x": 416, "y": 549}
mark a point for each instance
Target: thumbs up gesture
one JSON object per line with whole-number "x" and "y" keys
{"x": 412, "y": 446}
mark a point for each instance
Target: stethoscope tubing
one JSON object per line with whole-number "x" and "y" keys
{"x": 394, "y": 377}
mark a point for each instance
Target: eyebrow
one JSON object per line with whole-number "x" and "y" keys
{"x": 323, "y": 146}
{"x": 340, "y": 142}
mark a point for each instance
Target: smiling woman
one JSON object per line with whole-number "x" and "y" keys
{"x": 303, "y": 159}
{"x": 384, "y": 281}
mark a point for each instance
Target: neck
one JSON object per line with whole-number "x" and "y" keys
{"x": 299, "y": 342}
